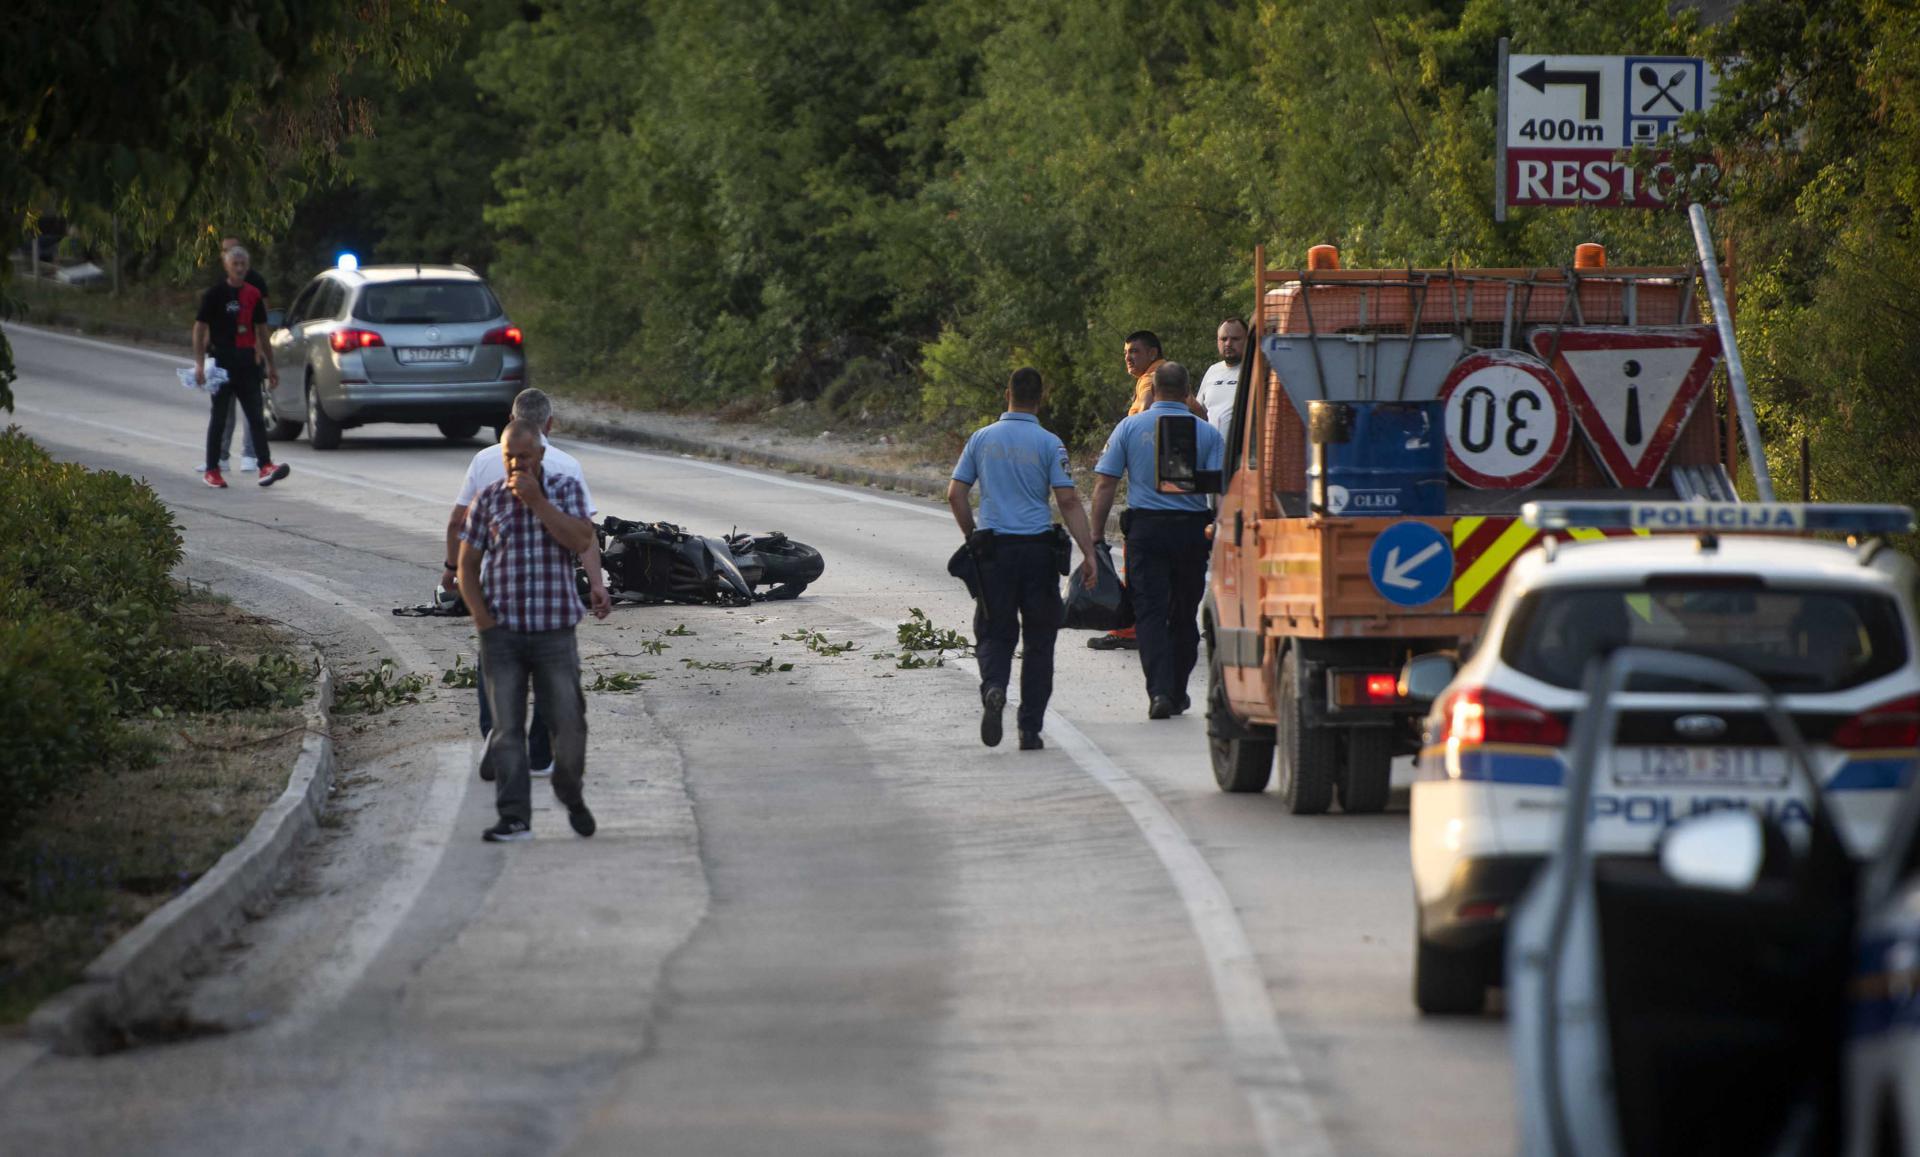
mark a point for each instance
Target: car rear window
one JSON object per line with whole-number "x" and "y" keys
{"x": 1795, "y": 640}
{"x": 426, "y": 302}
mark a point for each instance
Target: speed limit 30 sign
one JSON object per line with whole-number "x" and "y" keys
{"x": 1507, "y": 420}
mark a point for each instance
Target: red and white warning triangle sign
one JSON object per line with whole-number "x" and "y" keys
{"x": 1631, "y": 389}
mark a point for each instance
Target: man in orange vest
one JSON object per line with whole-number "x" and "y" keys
{"x": 1143, "y": 356}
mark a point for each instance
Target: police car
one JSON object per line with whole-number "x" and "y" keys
{"x": 1828, "y": 625}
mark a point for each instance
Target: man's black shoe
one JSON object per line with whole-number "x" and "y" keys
{"x": 578, "y": 815}
{"x": 1182, "y": 704}
{"x": 507, "y": 831}
{"x": 993, "y": 701}
{"x": 1031, "y": 741}
{"x": 1161, "y": 707}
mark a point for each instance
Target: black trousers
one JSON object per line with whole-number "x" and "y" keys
{"x": 243, "y": 383}
{"x": 1019, "y": 600}
{"x": 1167, "y": 577}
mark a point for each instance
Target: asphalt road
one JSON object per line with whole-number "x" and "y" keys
{"x": 819, "y": 917}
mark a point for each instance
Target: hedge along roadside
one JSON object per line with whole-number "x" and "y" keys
{"x": 86, "y": 591}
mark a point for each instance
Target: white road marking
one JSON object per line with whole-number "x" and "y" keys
{"x": 760, "y": 476}
{"x": 109, "y": 347}
{"x": 410, "y": 653}
{"x": 1264, "y": 1065}
{"x": 334, "y": 976}
{"x": 200, "y": 449}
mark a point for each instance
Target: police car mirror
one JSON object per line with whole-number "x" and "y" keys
{"x": 1425, "y": 676}
{"x": 1721, "y": 850}
{"x": 276, "y": 318}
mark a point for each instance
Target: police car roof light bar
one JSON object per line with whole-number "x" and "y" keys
{"x": 1722, "y": 517}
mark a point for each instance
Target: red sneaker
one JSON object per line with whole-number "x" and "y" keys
{"x": 273, "y": 473}
{"x": 212, "y": 478}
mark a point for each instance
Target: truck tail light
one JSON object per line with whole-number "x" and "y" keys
{"x": 1895, "y": 723}
{"x": 1477, "y": 715}
{"x": 1365, "y": 689}
{"x": 507, "y": 335}
{"x": 348, "y": 340}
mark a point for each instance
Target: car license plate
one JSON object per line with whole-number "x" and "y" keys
{"x": 422, "y": 355}
{"x": 1700, "y": 766}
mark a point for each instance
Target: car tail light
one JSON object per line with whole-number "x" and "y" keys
{"x": 1476, "y": 715}
{"x": 1895, "y": 723}
{"x": 507, "y": 335}
{"x": 348, "y": 340}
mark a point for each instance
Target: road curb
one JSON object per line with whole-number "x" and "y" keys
{"x": 131, "y": 980}
{"x": 598, "y": 430}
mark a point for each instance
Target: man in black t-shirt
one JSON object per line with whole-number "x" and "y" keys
{"x": 232, "y": 325}
{"x": 251, "y": 461}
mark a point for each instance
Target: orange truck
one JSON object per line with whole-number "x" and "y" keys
{"x": 1388, "y": 427}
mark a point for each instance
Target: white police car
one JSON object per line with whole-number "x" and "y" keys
{"x": 1829, "y": 626}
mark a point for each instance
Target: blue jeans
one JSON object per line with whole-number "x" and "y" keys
{"x": 1167, "y": 576}
{"x": 1019, "y": 600}
{"x": 539, "y": 743}
{"x": 549, "y": 663}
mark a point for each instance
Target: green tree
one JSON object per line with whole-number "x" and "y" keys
{"x": 184, "y": 118}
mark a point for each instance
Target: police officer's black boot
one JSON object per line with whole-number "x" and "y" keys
{"x": 1031, "y": 741}
{"x": 993, "y": 700}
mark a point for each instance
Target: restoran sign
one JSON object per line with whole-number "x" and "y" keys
{"x": 1568, "y": 123}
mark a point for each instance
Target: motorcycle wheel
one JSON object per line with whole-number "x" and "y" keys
{"x": 787, "y": 563}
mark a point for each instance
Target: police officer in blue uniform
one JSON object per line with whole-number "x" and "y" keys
{"x": 1017, "y": 461}
{"x": 1166, "y": 535}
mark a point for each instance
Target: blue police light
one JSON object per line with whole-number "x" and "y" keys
{"x": 1722, "y": 517}
{"x": 348, "y": 262}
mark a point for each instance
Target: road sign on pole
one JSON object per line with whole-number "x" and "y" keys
{"x": 1631, "y": 389}
{"x": 1410, "y": 563}
{"x": 1507, "y": 420}
{"x": 1569, "y": 122}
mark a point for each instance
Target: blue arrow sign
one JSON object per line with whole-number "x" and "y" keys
{"x": 1411, "y": 563}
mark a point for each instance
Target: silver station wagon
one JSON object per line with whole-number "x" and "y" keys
{"x": 394, "y": 343}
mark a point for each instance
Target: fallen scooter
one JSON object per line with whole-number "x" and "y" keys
{"x": 658, "y": 562}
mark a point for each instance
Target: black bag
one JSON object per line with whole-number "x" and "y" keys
{"x": 1103, "y": 608}
{"x": 965, "y": 567}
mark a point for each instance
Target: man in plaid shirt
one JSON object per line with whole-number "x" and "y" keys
{"x": 517, "y": 556}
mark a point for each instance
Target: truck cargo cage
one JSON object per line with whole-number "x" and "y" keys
{"x": 1372, "y": 337}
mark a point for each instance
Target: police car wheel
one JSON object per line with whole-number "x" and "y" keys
{"x": 1366, "y": 775}
{"x": 1446, "y": 981}
{"x": 1242, "y": 755}
{"x": 1308, "y": 755}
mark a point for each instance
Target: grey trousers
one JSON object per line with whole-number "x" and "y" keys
{"x": 549, "y": 661}
{"x": 226, "y": 443}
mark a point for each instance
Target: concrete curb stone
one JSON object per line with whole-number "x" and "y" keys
{"x": 131, "y": 980}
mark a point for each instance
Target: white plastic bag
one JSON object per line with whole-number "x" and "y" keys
{"x": 216, "y": 377}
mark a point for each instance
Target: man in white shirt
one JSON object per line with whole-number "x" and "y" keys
{"x": 1222, "y": 380}
{"x": 488, "y": 467}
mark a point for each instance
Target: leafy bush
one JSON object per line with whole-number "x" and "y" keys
{"x": 55, "y": 708}
{"x": 86, "y": 628}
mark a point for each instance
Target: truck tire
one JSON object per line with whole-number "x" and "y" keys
{"x": 1308, "y": 755}
{"x": 1366, "y": 777}
{"x": 1242, "y": 753}
{"x": 458, "y": 431}
{"x": 1447, "y": 981}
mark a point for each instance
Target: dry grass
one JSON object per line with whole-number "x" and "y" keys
{"x": 93, "y": 864}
